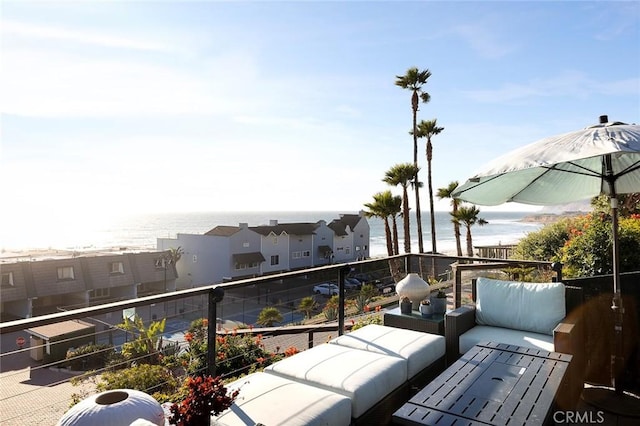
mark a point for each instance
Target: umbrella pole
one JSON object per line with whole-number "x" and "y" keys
{"x": 617, "y": 358}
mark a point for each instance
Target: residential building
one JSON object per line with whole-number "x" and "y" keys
{"x": 233, "y": 252}
{"x": 51, "y": 282}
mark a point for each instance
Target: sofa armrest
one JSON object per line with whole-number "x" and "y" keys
{"x": 457, "y": 322}
{"x": 568, "y": 338}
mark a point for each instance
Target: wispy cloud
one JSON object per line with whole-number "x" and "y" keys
{"x": 483, "y": 40}
{"x": 21, "y": 29}
{"x": 571, "y": 83}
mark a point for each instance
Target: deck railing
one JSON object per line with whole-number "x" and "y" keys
{"x": 242, "y": 300}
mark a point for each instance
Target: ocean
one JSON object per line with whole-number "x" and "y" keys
{"x": 142, "y": 230}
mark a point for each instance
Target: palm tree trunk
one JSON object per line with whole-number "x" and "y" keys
{"x": 434, "y": 250}
{"x": 456, "y": 230}
{"x": 469, "y": 242}
{"x": 414, "y": 104}
{"x": 387, "y": 233}
{"x": 405, "y": 220}
{"x": 396, "y": 244}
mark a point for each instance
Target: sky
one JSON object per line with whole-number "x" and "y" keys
{"x": 118, "y": 107}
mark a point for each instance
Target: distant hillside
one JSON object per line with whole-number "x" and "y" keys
{"x": 550, "y": 217}
{"x": 560, "y": 209}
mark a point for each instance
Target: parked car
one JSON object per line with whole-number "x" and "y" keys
{"x": 352, "y": 284}
{"x": 326, "y": 289}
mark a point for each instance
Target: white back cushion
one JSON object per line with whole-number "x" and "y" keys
{"x": 535, "y": 307}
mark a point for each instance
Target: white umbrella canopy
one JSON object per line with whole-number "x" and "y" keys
{"x": 601, "y": 159}
{"x": 561, "y": 169}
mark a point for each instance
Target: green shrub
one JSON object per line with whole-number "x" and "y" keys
{"x": 89, "y": 357}
{"x": 152, "y": 379}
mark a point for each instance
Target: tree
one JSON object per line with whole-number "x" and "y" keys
{"x": 403, "y": 174}
{"x": 427, "y": 129}
{"x": 175, "y": 254}
{"x": 145, "y": 348}
{"x": 307, "y": 305}
{"x": 468, "y": 216}
{"x": 382, "y": 207}
{"x": 447, "y": 192}
{"x": 413, "y": 80}
{"x": 269, "y": 316}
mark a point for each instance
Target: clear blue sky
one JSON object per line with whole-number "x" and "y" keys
{"x": 118, "y": 107}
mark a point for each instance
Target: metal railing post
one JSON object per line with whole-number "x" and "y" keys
{"x": 216, "y": 294}
{"x": 342, "y": 273}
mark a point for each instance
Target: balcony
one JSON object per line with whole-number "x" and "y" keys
{"x": 37, "y": 385}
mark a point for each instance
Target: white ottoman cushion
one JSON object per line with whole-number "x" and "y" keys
{"x": 365, "y": 377}
{"x": 420, "y": 350}
{"x": 484, "y": 333}
{"x": 272, "y": 400}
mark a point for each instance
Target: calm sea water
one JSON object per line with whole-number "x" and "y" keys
{"x": 141, "y": 231}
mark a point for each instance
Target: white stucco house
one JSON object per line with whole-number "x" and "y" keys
{"x": 232, "y": 252}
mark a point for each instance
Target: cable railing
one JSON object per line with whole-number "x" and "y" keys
{"x": 200, "y": 324}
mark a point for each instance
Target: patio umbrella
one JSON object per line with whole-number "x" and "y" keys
{"x": 600, "y": 159}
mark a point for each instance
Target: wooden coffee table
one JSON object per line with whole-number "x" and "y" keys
{"x": 492, "y": 384}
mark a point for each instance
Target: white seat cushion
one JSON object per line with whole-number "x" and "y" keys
{"x": 485, "y": 333}
{"x": 365, "y": 377}
{"x": 272, "y": 400}
{"x": 535, "y": 307}
{"x": 420, "y": 350}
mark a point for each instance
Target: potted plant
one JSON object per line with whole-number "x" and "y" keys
{"x": 405, "y": 305}
{"x": 425, "y": 308}
{"x": 439, "y": 303}
{"x": 206, "y": 396}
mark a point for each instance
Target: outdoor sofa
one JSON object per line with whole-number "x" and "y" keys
{"x": 530, "y": 315}
{"x": 372, "y": 370}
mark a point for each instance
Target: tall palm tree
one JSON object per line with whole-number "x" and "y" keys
{"x": 413, "y": 80}
{"x": 469, "y": 217}
{"x": 427, "y": 129}
{"x": 446, "y": 192}
{"x": 378, "y": 209}
{"x": 403, "y": 174}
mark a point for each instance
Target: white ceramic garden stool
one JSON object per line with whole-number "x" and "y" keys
{"x": 120, "y": 407}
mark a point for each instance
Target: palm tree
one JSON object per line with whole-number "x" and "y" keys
{"x": 403, "y": 174}
{"x": 427, "y": 129}
{"x": 380, "y": 208}
{"x": 446, "y": 192}
{"x": 269, "y": 316}
{"x": 469, "y": 217}
{"x": 307, "y": 305}
{"x": 413, "y": 80}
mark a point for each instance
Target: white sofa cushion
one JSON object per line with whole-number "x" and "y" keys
{"x": 365, "y": 377}
{"x": 420, "y": 350}
{"x": 534, "y": 307}
{"x": 484, "y": 333}
{"x": 272, "y": 400}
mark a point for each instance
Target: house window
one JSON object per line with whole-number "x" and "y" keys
{"x": 275, "y": 240}
{"x": 296, "y": 255}
{"x": 357, "y": 248}
{"x": 99, "y": 293}
{"x": 275, "y": 260}
{"x": 347, "y": 250}
{"x": 306, "y": 253}
{"x": 66, "y": 273}
{"x": 245, "y": 245}
{"x": 116, "y": 268}
{"x": 240, "y": 266}
{"x": 7, "y": 279}
{"x": 195, "y": 258}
